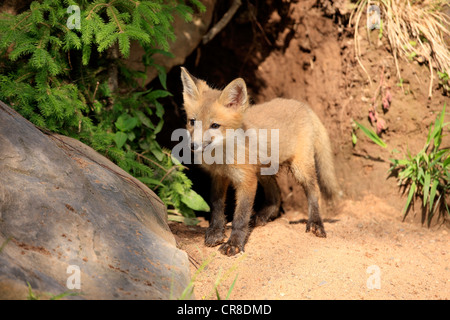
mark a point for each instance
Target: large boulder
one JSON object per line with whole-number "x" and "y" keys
{"x": 69, "y": 217}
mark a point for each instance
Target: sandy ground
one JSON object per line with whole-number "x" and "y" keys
{"x": 369, "y": 253}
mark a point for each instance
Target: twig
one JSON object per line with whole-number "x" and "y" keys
{"x": 140, "y": 155}
{"x": 430, "y": 89}
{"x": 356, "y": 41}
{"x": 398, "y": 68}
{"x": 222, "y": 23}
{"x": 165, "y": 176}
{"x": 95, "y": 91}
{"x": 255, "y": 21}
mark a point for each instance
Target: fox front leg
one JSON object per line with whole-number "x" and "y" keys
{"x": 215, "y": 234}
{"x": 245, "y": 195}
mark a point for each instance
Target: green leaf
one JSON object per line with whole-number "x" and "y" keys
{"x": 407, "y": 173}
{"x": 159, "y": 109}
{"x": 372, "y": 135}
{"x": 4, "y": 244}
{"x": 175, "y": 160}
{"x": 126, "y": 123}
{"x": 71, "y": 41}
{"x": 446, "y": 162}
{"x": 86, "y": 54}
{"x": 151, "y": 181}
{"x": 124, "y": 44}
{"x": 438, "y": 156}
{"x": 194, "y": 201}
{"x": 401, "y": 162}
{"x": 31, "y": 294}
{"x": 145, "y": 120}
{"x": 186, "y": 220}
{"x": 420, "y": 174}
{"x": 157, "y": 94}
{"x": 156, "y": 150}
{"x": 412, "y": 55}
{"x": 354, "y": 138}
{"x": 159, "y": 127}
{"x": 120, "y": 138}
{"x": 438, "y": 128}
{"x": 131, "y": 136}
{"x": 231, "y": 288}
{"x": 64, "y": 294}
{"x": 217, "y": 293}
{"x": 162, "y": 75}
{"x": 412, "y": 191}
{"x": 426, "y": 188}
{"x": 433, "y": 192}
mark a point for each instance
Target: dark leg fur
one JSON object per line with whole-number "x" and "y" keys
{"x": 244, "y": 206}
{"x": 272, "y": 201}
{"x": 314, "y": 223}
{"x": 215, "y": 234}
{"x": 307, "y": 177}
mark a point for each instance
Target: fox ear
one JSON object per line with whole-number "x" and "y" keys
{"x": 235, "y": 95}
{"x": 190, "y": 90}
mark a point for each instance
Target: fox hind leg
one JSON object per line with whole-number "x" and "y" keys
{"x": 272, "y": 201}
{"x": 315, "y": 223}
{"x": 305, "y": 174}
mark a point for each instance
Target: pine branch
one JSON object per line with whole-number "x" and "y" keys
{"x": 50, "y": 76}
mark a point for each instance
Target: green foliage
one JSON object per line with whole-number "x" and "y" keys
{"x": 33, "y": 296}
{"x": 369, "y": 133}
{"x": 428, "y": 173}
{"x": 58, "y": 77}
{"x": 221, "y": 277}
{"x": 444, "y": 81}
{"x": 4, "y": 244}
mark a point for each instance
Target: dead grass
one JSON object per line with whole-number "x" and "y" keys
{"x": 415, "y": 30}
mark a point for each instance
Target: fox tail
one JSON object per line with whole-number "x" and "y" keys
{"x": 323, "y": 157}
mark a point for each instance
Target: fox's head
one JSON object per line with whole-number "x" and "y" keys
{"x": 211, "y": 112}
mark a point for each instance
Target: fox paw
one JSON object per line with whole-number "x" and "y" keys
{"x": 213, "y": 237}
{"x": 264, "y": 216}
{"x": 258, "y": 221}
{"x": 316, "y": 228}
{"x": 229, "y": 249}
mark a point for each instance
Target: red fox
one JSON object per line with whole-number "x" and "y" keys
{"x": 303, "y": 146}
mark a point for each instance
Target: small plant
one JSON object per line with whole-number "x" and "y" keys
{"x": 31, "y": 294}
{"x": 4, "y": 244}
{"x": 444, "y": 81}
{"x": 369, "y": 133}
{"x": 189, "y": 290}
{"x": 427, "y": 175}
{"x": 34, "y": 296}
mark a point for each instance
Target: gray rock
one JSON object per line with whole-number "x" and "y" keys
{"x": 61, "y": 205}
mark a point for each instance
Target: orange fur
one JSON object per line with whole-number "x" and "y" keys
{"x": 303, "y": 146}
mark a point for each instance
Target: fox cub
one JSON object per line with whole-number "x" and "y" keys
{"x": 297, "y": 138}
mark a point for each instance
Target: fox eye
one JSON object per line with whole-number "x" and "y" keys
{"x": 215, "y": 126}
{"x": 191, "y": 122}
